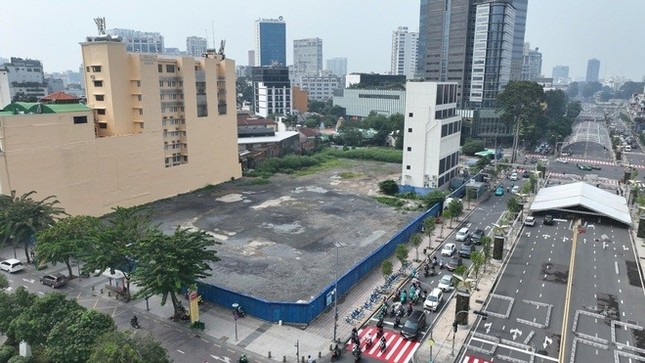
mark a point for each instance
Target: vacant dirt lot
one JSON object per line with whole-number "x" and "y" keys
{"x": 278, "y": 239}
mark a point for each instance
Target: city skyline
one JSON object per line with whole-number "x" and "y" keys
{"x": 567, "y": 33}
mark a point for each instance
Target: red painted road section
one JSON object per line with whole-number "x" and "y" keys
{"x": 471, "y": 359}
{"x": 398, "y": 350}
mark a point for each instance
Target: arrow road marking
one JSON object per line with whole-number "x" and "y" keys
{"x": 528, "y": 234}
{"x": 547, "y": 342}
{"x": 546, "y": 236}
{"x": 488, "y": 326}
{"x": 31, "y": 281}
{"x": 223, "y": 359}
{"x": 515, "y": 333}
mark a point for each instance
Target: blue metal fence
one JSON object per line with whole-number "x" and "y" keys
{"x": 304, "y": 313}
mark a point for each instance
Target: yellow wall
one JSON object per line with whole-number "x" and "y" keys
{"x": 90, "y": 175}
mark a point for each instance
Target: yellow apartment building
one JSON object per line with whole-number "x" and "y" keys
{"x": 153, "y": 127}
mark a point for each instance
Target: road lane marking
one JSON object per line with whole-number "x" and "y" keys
{"x": 616, "y": 266}
{"x": 567, "y": 299}
{"x": 180, "y": 351}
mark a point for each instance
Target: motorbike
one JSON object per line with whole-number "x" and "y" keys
{"x": 397, "y": 320}
{"x": 336, "y": 353}
{"x": 134, "y": 322}
{"x": 383, "y": 345}
{"x": 395, "y": 308}
{"x": 357, "y": 353}
{"x": 368, "y": 341}
{"x": 441, "y": 265}
{"x": 244, "y": 359}
{"x": 426, "y": 271}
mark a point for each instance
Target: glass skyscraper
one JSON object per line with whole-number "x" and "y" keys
{"x": 270, "y": 42}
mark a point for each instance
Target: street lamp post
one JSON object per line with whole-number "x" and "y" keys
{"x": 338, "y": 245}
{"x": 484, "y": 316}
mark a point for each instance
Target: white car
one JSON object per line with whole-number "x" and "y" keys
{"x": 446, "y": 283}
{"x": 514, "y": 176}
{"x": 516, "y": 189}
{"x": 434, "y": 299}
{"x": 11, "y": 265}
{"x": 462, "y": 234}
{"x": 448, "y": 249}
{"x": 529, "y": 221}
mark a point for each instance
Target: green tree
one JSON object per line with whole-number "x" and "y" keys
{"x": 472, "y": 146}
{"x": 429, "y": 225}
{"x": 556, "y": 103}
{"x": 168, "y": 263}
{"x": 12, "y": 305}
{"x": 66, "y": 240}
{"x": 35, "y": 322}
{"x": 629, "y": 88}
{"x": 117, "y": 242}
{"x": 388, "y": 187}
{"x": 351, "y": 136}
{"x": 22, "y": 217}
{"x": 416, "y": 240}
{"x": 521, "y": 103}
{"x": 486, "y": 250}
{"x": 477, "y": 259}
{"x": 456, "y": 209}
{"x": 434, "y": 197}
{"x": 4, "y": 283}
{"x": 126, "y": 346}
{"x": 72, "y": 340}
{"x": 482, "y": 163}
{"x": 573, "y": 90}
{"x": 447, "y": 214}
{"x": 590, "y": 88}
{"x": 401, "y": 252}
{"x": 386, "y": 268}
{"x": 513, "y": 205}
{"x": 244, "y": 90}
{"x": 573, "y": 109}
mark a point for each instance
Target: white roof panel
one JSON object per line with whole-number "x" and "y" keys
{"x": 585, "y": 195}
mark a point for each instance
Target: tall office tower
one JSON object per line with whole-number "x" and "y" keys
{"x": 196, "y": 46}
{"x": 337, "y": 66}
{"x": 270, "y": 42}
{"x": 421, "y": 44}
{"x": 560, "y": 73}
{"x": 471, "y": 42}
{"x": 307, "y": 57}
{"x": 404, "y": 52}
{"x": 139, "y": 42}
{"x": 251, "y": 59}
{"x": 26, "y": 79}
{"x": 271, "y": 91}
{"x": 532, "y": 64}
{"x": 593, "y": 69}
{"x": 518, "y": 38}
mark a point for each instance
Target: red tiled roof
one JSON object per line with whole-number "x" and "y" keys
{"x": 59, "y": 96}
{"x": 309, "y": 132}
{"x": 249, "y": 120}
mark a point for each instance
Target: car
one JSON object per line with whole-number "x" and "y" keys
{"x": 548, "y": 220}
{"x": 513, "y": 176}
{"x": 11, "y": 265}
{"x": 529, "y": 221}
{"x": 525, "y": 174}
{"x": 594, "y": 167}
{"x": 433, "y": 300}
{"x": 499, "y": 191}
{"x": 566, "y": 153}
{"x": 584, "y": 167}
{"x": 454, "y": 263}
{"x": 446, "y": 283}
{"x": 448, "y": 249}
{"x": 54, "y": 280}
{"x": 476, "y": 237}
{"x": 414, "y": 325}
{"x": 462, "y": 234}
{"x": 516, "y": 189}
{"x": 466, "y": 250}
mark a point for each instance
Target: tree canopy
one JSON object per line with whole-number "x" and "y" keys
{"x": 126, "y": 346}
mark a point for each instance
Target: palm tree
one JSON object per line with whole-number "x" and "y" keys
{"x": 22, "y": 217}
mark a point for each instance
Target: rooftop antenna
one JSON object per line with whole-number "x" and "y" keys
{"x": 100, "y": 25}
{"x": 206, "y": 36}
{"x": 213, "y": 30}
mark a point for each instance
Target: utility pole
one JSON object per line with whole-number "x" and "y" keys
{"x": 297, "y": 345}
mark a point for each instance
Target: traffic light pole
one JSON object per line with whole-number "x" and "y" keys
{"x": 484, "y": 315}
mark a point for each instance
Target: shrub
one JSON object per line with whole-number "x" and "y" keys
{"x": 390, "y": 201}
{"x": 6, "y": 352}
{"x": 18, "y": 359}
{"x": 388, "y": 187}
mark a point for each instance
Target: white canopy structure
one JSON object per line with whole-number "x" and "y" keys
{"x": 582, "y": 198}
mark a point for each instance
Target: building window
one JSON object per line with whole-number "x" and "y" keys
{"x": 102, "y": 125}
{"x": 80, "y": 119}
{"x": 410, "y": 129}
{"x": 138, "y": 83}
{"x": 407, "y": 167}
{"x": 87, "y": 68}
{"x": 170, "y": 68}
{"x": 141, "y": 111}
{"x": 99, "y": 97}
{"x": 160, "y": 68}
{"x": 98, "y": 83}
{"x": 409, "y": 148}
{"x": 100, "y": 111}
{"x": 96, "y": 68}
{"x": 138, "y": 97}
{"x": 410, "y": 114}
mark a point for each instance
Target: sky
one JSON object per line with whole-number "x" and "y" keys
{"x": 567, "y": 32}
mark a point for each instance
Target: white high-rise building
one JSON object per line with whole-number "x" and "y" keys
{"x": 26, "y": 79}
{"x": 432, "y": 132}
{"x": 337, "y": 66}
{"x": 196, "y": 46}
{"x": 307, "y": 56}
{"x": 139, "y": 42}
{"x": 404, "y": 52}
